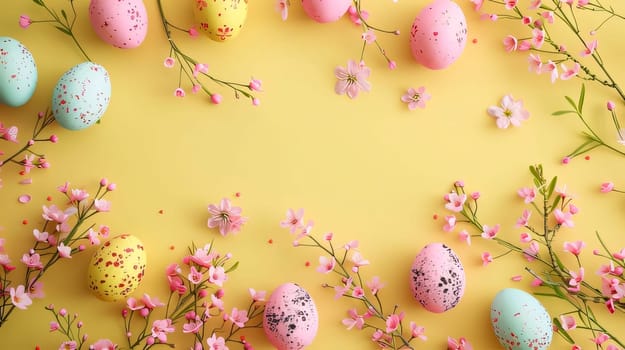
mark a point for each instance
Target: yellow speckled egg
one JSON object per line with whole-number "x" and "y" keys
{"x": 117, "y": 267}
{"x": 220, "y": 20}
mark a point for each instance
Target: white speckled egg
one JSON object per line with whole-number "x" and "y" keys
{"x": 18, "y": 73}
{"x": 437, "y": 278}
{"x": 324, "y": 11}
{"x": 117, "y": 267}
{"x": 121, "y": 23}
{"x": 520, "y": 322}
{"x": 438, "y": 34}
{"x": 290, "y": 319}
{"x": 220, "y": 20}
{"x": 81, "y": 96}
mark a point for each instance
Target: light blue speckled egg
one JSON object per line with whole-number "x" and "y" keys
{"x": 18, "y": 73}
{"x": 520, "y": 321}
{"x": 81, "y": 96}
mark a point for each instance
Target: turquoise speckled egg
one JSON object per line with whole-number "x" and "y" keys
{"x": 18, "y": 73}
{"x": 81, "y": 96}
{"x": 520, "y": 322}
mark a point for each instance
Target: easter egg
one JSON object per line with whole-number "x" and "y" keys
{"x": 290, "y": 318}
{"x": 438, "y": 34}
{"x": 519, "y": 320}
{"x": 324, "y": 11}
{"x": 81, "y": 96}
{"x": 220, "y": 20}
{"x": 117, "y": 267}
{"x": 437, "y": 278}
{"x": 121, "y": 23}
{"x": 18, "y": 73}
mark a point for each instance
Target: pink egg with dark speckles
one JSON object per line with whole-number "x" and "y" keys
{"x": 437, "y": 278}
{"x": 324, "y": 11}
{"x": 438, "y": 34}
{"x": 290, "y": 319}
{"x": 121, "y": 23}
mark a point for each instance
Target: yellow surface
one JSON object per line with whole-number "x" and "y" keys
{"x": 365, "y": 169}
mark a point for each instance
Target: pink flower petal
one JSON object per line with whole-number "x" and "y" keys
{"x": 27, "y": 181}
{"x": 25, "y": 198}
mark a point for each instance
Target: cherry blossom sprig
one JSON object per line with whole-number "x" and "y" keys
{"x": 388, "y": 328}
{"x": 71, "y": 328}
{"x": 592, "y": 139}
{"x": 196, "y": 302}
{"x": 555, "y": 210}
{"x": 543, "y": 17}
{"x": 65, "y": 232}
{"x": 193, "y": 70}
{"x": 44, "y": 119}
{"x": 63, "y": 22}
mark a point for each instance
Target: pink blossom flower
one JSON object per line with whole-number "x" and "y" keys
{"x": 9, "y": 134}
{"x": 359, "y": 260}
{"x": 326, "y": 264}
{"x": 195, "y": 276}
{"x": 450, "y": 223}
{"x": 465, "y": 236}
{"x": 576, "y": 280}
{"x": 179, "y": 92}
{"x": 216, "y": 343}
{"x": 535, "y": 4}
{"x": 568, "y": 322}
{"x": 255, "y": 85}
{"x": 548, "y": 15}
{"x": 369, "y": 36}
{"x": 601, "y": 338}
{"x": 193, "y": 32}
{"x": 393, "y": 321}
{"x": 487, "y": 258}
{"x": 351, "y": 245}
{"x": 238, "y": 317}
{"x": 607, "y": 187}
{"x": 510, "y": 43}
{"x": 574, "y": 248}
{"x": 531, "y": 252}
{"x": 477, "y": 4}
{"x": 524, "y": 45}
{"x": 538, "y": 38}
{"x": 417, "y": 331}
{"x": 200, "y": 68}
{"x": 193, "y": 326}
{"x": 169, "y": 62}
{"x": 151, "y": 302}
{"x": 612, "y": 288}
{"x": 528, "y": 194}
{"x": 78, "y": 195}
{"x": 563, "y": 218}
{"x": 226, "y": 217}
{"x": 523, "y": 220}
{"x": 64, "y": 251}
{"x": 283, "y": 7}
{"x": 54, "y": 326}
{"x": 19, "y": 297}
{"x": 460, "y": 344}
{"x": 25, "y": 21}
{"x": 32, "y": 261}
{"x": 551, "y": 68}
{"x": 535, "y": 63}
{"x": 416, "y": 98}
{"x": 455, "y": 202}
{"x": 217, "y": 302}
{"x": 582, "y": 3}
{"x": 103, "y": 344}
{"x": 510, "y": 112}
{"x": 620, "y": 255}
{"x": 102, "y": 205}
{"x": 68, "y": 345}
{"x": 610, "y": 269}
{"x": 160, "y": 328}
{"x": 490, "y": 232}
{"x": 510, "y": 4}
{"x": 294, "y": 220}
{"x": 354, "y": 320}
{"x": 590, "y": 48}
{"x": 352, "y": 79}
{"x": 216, "y": 99}
{"x": 257, "y": 295}
{"x": 35, "y": 290}
{"x": 526, "y": 20}
{"x": 217, "y": 275}
{"x": 358, "y": 292}
{"x": 375, "y": 285}
{"x": 526, "y": 237}
{"x": 569, "y": 73}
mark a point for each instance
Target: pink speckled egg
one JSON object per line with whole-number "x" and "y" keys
{"x": 121, "y": 23}
{"x": 438, "y": 34}
{"x": 324, "y": 11}
{"x": 290, "y": 319}
{"x": 437, "y": 278}
{"x": 117, "y": 267}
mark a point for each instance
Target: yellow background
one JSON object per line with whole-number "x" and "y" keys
{"x": 365, "y": 169}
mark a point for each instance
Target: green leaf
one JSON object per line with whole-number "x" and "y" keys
{"x": 534, "y": 171}
{"x": 556, "y": 113}
{"x": 552, "y": 186}
{"x": 38, "y": 2}
{"x": 233, "y": 267}
{"x": 64, "y": 14}
{"x": 570, "y": 100}
{"x": 63, "y": 30}
{"x": 548, "y": 295}
{"x": 562, "y": 332}
{"x": 580, "y": 102}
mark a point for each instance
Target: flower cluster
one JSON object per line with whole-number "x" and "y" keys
{"x": 30, "y": 159}
{"x": 70, "y": 326}
{"x": 568, "y": 282}
{"x": 387, "y": 328}
{"x": 63, "y": 234}
{"x": 196, "y": 72}
{"x": 225, "y": 217}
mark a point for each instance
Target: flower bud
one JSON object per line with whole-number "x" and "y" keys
{"x": 202, "y": 293}
{"x": 63, "y": 312}
{"x": 611, "y": 106}
{"x": 255, "y": 85}
{"x": 150, "y": 340}
{"x": 216, "y": 99}
{"x": 144, "y": 312}
{"x": 111, "y": 187}
{"x": 104, "y": 182}
{"x": 392, "y": 65}
{"x": 220, "y": 293}
{"x": 124, "y": 312}
{"x": 54, "y": 138}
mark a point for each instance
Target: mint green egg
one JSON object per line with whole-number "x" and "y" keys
{"x": 81, "y": 96}
{"x": 18, "y": 73}
{"x": 520, "y": 321}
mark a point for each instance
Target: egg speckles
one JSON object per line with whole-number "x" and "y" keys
{"x": 437, "y": 278}
{"x": 81, "y": 96}
{"x": 290, "y": 319}
{"x": 520, "y": 322}
{"x": 438, "y": 34}
{"x": 117, "y": 268}
{"x": 18, "y": 73}
{"x": 121, "y": 23}
{"x": 220, "y": 20}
